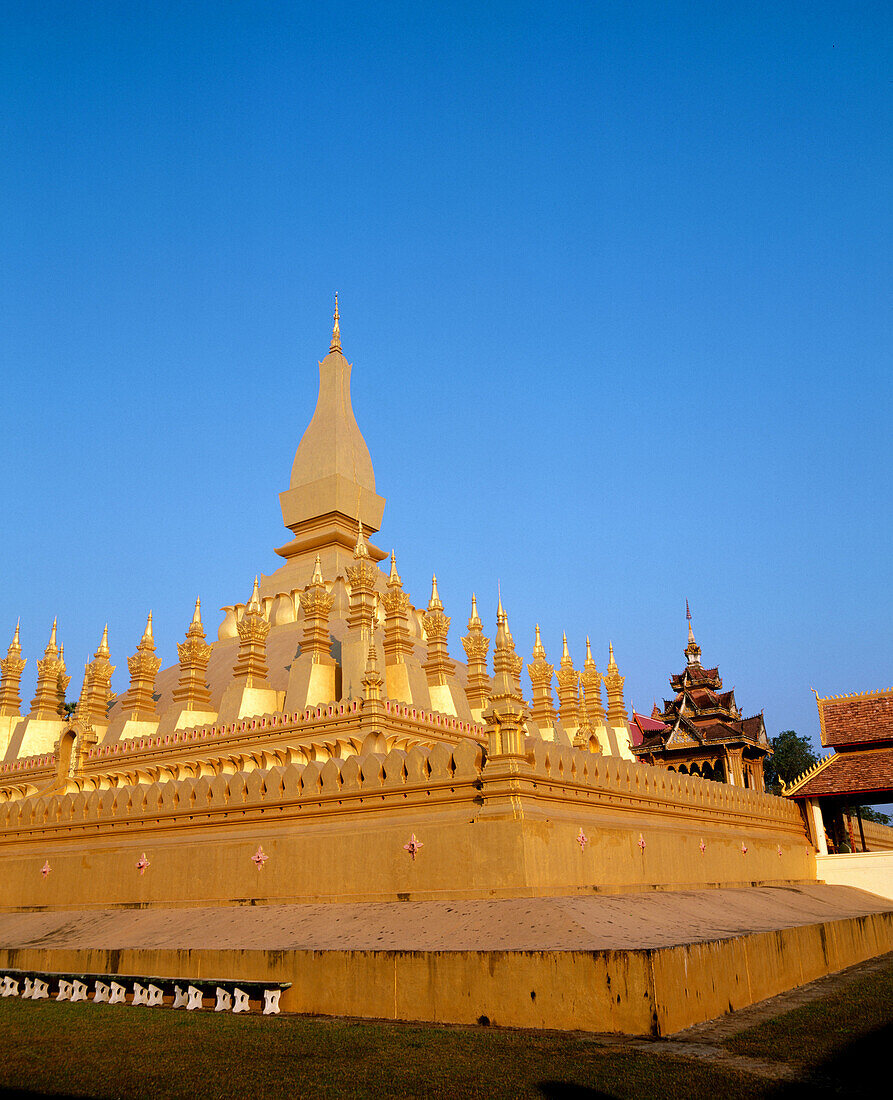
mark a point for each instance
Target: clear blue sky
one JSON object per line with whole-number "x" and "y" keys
{"x": 616, "y": 282}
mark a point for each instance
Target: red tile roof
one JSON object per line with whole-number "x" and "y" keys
{"x": 857, "y": 719}
{"x": 854, "y": 772}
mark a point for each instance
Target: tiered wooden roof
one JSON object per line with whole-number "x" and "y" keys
{"x": 700, "y": 710}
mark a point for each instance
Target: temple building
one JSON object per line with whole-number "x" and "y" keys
{"x": 701, "y": 731}
{"x": 311, "y": 631}
{"x": 321, "y": 798}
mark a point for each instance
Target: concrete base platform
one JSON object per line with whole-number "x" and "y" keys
{"x": 636, "y": 963}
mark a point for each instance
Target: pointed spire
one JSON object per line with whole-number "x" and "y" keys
{"x": 692, "y": 650}
{"x": 475, "y": 619}
{"x": 336, "y": 330}
{"x": 394, "y": 580}
{"x": 500, "y": 610}
{"x": 254, "y": 602}
{"x": 612, "y": 664}
{"x": 197, "y": 614}
{"x": 565, "y": 652}
{"x": 103, "y": 650}
{"x": 52, "y": 641}
{"x": 317, "y": 579}
{"x": 147, "y": 633}
{"x": 361, "y": 550}
{"x": 538, "y": 647}
{"x": 590, "y": 661}
{"x": 15, "y": 637}
{"x": 435, "y": 603}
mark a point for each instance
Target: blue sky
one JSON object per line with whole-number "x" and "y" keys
{"x": 615, "y": 279}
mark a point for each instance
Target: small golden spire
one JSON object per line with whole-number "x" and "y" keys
{"x": 15, "y": 637}
{"x": 538, "y": 648}
{"x": 612, "y": 664}
{"x": 434, "y": 604}
{"x": 254, "y": 602}
{"x": 500, "y": 610}
{"x": 475, "y": 619}
{"x": 316, "y": 579}
{"x": 565, "y": 652}
{"x": 52, "y": 642}
{"x": 147, "y": 633}
{"x": 197, "y": 614}
{"x": 589, "y": 659}
{"x": 103, "y": 650}
{"x": 336, "y": 330}
{"x": 394, "y": 579}
{"x": 361, "y": 550}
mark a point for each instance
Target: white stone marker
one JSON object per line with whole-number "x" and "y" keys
{"x": 101, "y": 993}
{"x": 271, "y": 1002}
{"x": 64, "y": 993}
{"x": 224, "y": 1000}
{"x": 78, "y": 991}
{"x": 139, "y": 994}
{"x": 241, "y": 1001}
{"x": 195, "y": 998}
{"x": 116, "y": 994}
{"x": 40, "y": 991}
{"x": 180, "y": 997}
{"x": 154, "y": 997}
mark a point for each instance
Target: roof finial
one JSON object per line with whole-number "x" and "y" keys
{"x": 612, "y": 664}
{"x": 103, "y": 650}
{"x": 691, "y": 635}
{"x": 197, "y": 614}
{"x": 317, "y": 579}
{"x": 147, "y": 633}
{"x": 336, "y": 330}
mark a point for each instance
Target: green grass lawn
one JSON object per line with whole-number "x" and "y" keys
{"x": 50, "y": 1048}
{"x": 846, "y": 1035}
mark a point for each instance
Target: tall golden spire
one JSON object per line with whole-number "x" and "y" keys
{"x": 194, "y": 653}
{"x": 397, "y": 640}
{"x": 332, "y": 480}
{"x": 316, "y": 603}
{"x": 253, "y": 628}
{"x": 567, "y": 689}
{"x": 504, "y": 714}
{"x": 476, "y": 646}
{"x": 51, "y": 681}
{"x": 361, "y": 577}
{"x": 139, "y": 700}
{"x": 540, "y": 672}
{"x": 591, "y": 680}
{"x": 97, "y": 684}
{"x": 617, "y": 715}
{"x": 336, "y": 329}
{"x": 11, "y": 668}
{"x": 438, "y": 666}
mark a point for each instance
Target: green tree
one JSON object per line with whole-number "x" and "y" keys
{"x": 792, "y": 755}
